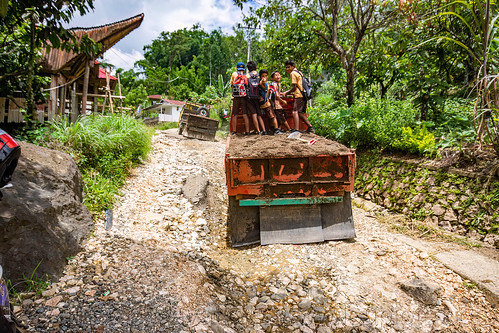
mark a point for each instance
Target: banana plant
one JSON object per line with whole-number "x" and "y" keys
{"x": 482, "y": 46}
{"x": 221, "y": 87}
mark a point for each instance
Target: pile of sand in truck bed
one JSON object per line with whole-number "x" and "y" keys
{"x": 255, "y": 146}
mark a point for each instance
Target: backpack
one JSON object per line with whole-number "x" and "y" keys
{"x": 240, "y": 86}
{"x": 307, "y": 88}
{"x": 253, "y": 84}
{"x": 272, "y": 95}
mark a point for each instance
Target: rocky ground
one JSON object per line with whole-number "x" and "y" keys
{"x": 165, "y": 266}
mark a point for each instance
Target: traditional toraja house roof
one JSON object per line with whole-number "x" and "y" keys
{"x": 72, "y": 64}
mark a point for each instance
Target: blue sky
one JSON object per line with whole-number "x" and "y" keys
{"x": 159, "y": 15}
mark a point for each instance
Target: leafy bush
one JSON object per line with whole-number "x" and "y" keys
{"x": 136, "y": 96}
{"x": 166, "y": 125}
{"x": 105, "y": 148}
{"x": 453, "y": 125}
{"x": 331, "y": 93}
{"x": 418, "y": 141}
{"x": 370, "y": 122}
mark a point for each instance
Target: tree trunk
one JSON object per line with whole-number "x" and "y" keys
{"x": 350, "y": 85}
{"x": 383, "y": 89}
{"x": 30, "y": 103}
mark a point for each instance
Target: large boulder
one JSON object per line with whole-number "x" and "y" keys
{"x": 42, "y": 218}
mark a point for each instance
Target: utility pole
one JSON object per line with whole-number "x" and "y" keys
{"x": 249, "y": 31}
{"x": 249, "y": 50}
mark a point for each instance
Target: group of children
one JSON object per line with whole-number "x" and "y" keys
{"x": 253, "y": 97}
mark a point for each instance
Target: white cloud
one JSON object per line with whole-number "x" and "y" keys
{"x": 122, "y": 59}
{"x": 159, "y": 15}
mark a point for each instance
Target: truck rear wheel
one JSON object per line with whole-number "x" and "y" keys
{"x": 244, "y": 223}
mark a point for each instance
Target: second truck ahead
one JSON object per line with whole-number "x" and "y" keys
{"x": 195, "y": 122}
{"x": 283, "y": 190}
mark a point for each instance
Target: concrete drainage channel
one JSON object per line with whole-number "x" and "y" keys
{"x": 469, "y": 264}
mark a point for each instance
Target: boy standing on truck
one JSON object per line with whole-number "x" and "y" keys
{"x": 265, "y": 104}
{"x": 238, "y": 82}
{"x": 278, "y": 102}
{"x": 254, "y": 97}
{"x": 300, "y": 105}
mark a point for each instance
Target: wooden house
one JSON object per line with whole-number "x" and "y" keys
{"x": 168, "y": 109}
{"x": 76, "y": 81}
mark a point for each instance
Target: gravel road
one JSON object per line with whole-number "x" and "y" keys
{"x": 165, "y": 266}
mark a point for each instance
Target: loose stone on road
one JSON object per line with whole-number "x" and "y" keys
{"x": 166, "y": 266}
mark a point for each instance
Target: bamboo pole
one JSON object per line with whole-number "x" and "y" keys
{"x": 119, "y": 92}
{"x": 74, "y": 105}
{"x": 108, "y": 91}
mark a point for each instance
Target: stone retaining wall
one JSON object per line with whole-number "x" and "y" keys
{"x": 454, "y": 200}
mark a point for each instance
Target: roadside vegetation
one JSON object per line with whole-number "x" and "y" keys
{"x": 390, "y": 123}
{"x": 411, "y": 76}
{"x": 417, "y": 77}
{"x": 407, "y": 76}
{"x": 105, "y": 148}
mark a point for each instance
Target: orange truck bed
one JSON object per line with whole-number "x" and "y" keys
{"x": 282, "y": 190}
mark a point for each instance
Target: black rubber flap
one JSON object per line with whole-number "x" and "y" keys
{"x": 293, "y": 224}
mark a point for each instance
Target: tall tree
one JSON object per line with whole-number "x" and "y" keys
{"x": 340, "y": 24}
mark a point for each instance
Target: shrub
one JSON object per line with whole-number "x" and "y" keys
{"x": 166, "y": 125}
{"x": 105, "y": 148}
{"x": 453, "y": 125}
{"x": 418, "y": 141}
{"x": 370, "y": 122}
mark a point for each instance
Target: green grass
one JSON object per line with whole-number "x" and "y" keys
{"x": 105, "y": 149}
{"x": 166, "y": 125}
{"x": 31, "y": 284}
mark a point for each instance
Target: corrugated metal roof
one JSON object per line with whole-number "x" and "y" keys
{"x": 56, "y": 60}
{"x": 174, "y": 102}
{"x": 102, "y": 74}
{"x": 169, "y": 101}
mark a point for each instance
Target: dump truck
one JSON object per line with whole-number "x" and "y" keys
{"x": 287, "y": 189}
{"x": 195, "y": 122}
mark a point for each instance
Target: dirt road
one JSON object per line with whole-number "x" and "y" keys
{"x": 165, "y": 266}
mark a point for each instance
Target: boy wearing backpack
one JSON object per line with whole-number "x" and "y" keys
{"x": 277, "y": 101}
{"x": 266, "y": 102}
{"x": 253, "y": 98}
{"x": 300, "y": 105}
{"x": 239, "y": 83}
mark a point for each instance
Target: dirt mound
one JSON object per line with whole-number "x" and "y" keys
{"x": 255, "y": 146}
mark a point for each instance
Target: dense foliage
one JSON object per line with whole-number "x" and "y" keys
{"x": 411, "y": 75}
{"x": 105, "y": 149}
{"x": 190, "y": 63}
{"x": 425, "y": 52}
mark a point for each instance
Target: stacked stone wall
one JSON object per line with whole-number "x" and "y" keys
{"x": 462, "y": 202}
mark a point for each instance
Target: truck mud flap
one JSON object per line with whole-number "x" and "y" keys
{"x": 244, "y": 224}
{"x": 294, "y": 224}
{"x": 337, "y": 219}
